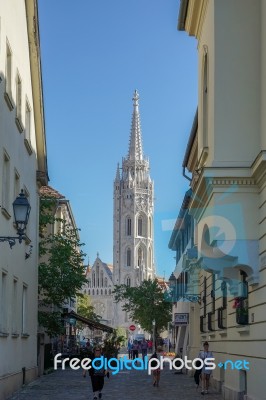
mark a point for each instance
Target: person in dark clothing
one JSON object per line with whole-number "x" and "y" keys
{"x": 97, "y": 376}
{"x": 197, "y": 374}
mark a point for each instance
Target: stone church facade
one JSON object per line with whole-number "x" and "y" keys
{"x": 133, "y": 249}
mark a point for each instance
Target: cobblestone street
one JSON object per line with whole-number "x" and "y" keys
{"x": 128, "y": 385}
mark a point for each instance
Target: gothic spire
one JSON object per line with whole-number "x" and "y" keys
{"x": 135, "y": 142}
{"x": 117, "y": 178}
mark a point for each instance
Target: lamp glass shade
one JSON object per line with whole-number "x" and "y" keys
{"x": 21, "y": 208}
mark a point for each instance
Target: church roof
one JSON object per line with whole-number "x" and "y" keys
{"x": 109, "y": 269}
{"x": 135, "y": 141}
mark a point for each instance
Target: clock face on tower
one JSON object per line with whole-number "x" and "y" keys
{"x": 99, "y": 308}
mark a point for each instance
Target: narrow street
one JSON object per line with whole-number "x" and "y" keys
{"x": 128, "y": 385}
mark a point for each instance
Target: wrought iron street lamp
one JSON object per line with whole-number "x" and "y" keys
{"x": 21, "y": 209}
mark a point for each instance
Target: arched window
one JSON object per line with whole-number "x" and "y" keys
{"x": 150, "y": 258}
{"x": 150, "y": 228}
{"x": 101, "y": 292}
{"x": 89, "y": 282}
{"x": 105, "y": 292}
{"x": 110, "y": 291}
{"x": 105, "y": 282}
{"x": 140, "y": 226}
{"x": 128, "y": 226}
{"x": 93, "y": 292}
{"x": 128, "y": 281}
{"x": 128, "y": 256}
{"x": 97, "y": 292}
{"x": 89, "y": 292}
{"x": 97, "y": 275}
{"x": 101, "y": 278}
{"x": 140, "y": 256}
{"x": 93, "y": 279}
{"x": 85, "y": 291}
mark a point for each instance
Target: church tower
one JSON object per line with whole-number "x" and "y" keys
{"x": 133, "y": 256}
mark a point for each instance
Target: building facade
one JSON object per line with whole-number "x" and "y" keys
{"x": 22, "y": 166}
{"x": 226, "y": 156}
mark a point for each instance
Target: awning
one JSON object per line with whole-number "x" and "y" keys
{"x": 89, "y": 322}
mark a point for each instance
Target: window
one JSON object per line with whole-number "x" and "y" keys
{"x": 128, "y": 258}
{"x": 16, "y": 184}
{"x": 105, "y": 282}
{"x": 140, "y": 256}
{"x": 105, "y": 292}
{"x": 3, "y": 305}
{"x": 8, "y": 70}
{"x": 110, "y": 291}
{"x": 24, "y": 309}
{"x": 128, "y": 226}
{"x": 139, "y": 226}
{"x": 93, "y": 279}
{"x": 6, "y": 185}
{"x": 89, "y": 283}
{"x": 14, "y": 306}
{"x": 101, "y": 278}
{"x": 27, "y": 139}
{"x": 97, "y": 276}
{"x": 150, "y": 258}
{"x": 19, "y": 103}
{"x": 128, "y": 281}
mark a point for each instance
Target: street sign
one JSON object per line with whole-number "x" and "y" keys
{"x": 181, "y": 319}
{"x": 132, "y": 328}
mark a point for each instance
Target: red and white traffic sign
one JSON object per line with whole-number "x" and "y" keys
{"x": 132, "y": 328}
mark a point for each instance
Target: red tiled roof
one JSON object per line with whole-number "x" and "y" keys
{"x": 50, "y": 192}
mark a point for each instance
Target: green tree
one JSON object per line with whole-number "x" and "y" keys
{"x": 144, "y": 304}
{"x": 61, "y": 272}
{"x": 85, "y": 309}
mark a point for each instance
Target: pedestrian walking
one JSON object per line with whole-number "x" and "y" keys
{"x": 129, "y": 349}
{"x": 156, "y": 373}
{"x": 135, "y": 349}
{"x": 97, "y": 376}
{"x": 206, "y": 371}
{"x": 144, "y": 348}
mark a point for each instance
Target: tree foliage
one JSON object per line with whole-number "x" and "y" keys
{"x": 85, "y": 309}
{"x": 144, "y": 304}
{"x": 61, "y": 272}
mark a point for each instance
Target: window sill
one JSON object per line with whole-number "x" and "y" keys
{"x": 243, "y": 329}
{"x": 223, "y": 333}
{"x": 5, "y": 213}
{"x": 19, "y": 124}
{"x": 25, "y": 335}
{"x": 9, "y": 101}
{"x": 4, "y": 334}
{"x": 15, "y": 335}
{"x": 28, "y": 146}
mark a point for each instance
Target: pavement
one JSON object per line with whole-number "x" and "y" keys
{"x": 129, "y": 385}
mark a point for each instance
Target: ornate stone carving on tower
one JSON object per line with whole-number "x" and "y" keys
{"x": 133, "y": 256}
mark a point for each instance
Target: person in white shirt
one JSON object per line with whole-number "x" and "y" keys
{"x": 206, "y": 371}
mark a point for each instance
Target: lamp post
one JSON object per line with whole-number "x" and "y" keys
{"x": 153, "y": 335}
{"x": 21, "y": 209}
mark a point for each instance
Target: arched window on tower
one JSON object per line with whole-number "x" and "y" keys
{"x": 101, "y": 278}
{"x": 97, "y": 275}
{"x": 150, "y": 258}
{"x": 128, "y": 281}
{"x": 140, "y": 226}
{"x": 128, "y": 256}
{"x": 140, "y": 256}
{"x": 150, "y": 228}
{"x": 105, "y": 282}
{"x": 128, "y": 226}
{"x": 93, "y": 279}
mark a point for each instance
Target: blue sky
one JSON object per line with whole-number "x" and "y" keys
{"x": 95, "y": 53}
